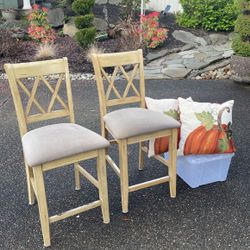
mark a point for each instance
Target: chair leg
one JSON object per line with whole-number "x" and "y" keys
{"x": 141, "y": 156}
{"x": 123, "y": 161}
{"x": 103, "y": 187}
{"x": 172, "y": 162}
{"x": 77, "y": 178}
{"x": 31, "y": 194}
{"x": 42, "y": 204}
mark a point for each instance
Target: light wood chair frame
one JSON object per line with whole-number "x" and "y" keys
{"x": 35, "y": 180}
{"x": 118, "y": 60}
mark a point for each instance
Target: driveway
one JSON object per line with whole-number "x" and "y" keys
{"x": 214, "y": 216}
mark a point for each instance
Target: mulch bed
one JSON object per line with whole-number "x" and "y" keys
{"x": 77, "y": 56}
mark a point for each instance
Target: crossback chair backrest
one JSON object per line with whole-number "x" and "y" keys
{"x": 131, "y": 93}
{"x": 37, "y": 73}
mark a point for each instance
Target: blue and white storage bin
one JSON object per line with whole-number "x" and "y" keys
{"x": 197, "y": 170}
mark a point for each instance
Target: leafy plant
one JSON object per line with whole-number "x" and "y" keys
{"x": 152, "y": 35}
{"x": 241, "y": 42}
{"x": 39, "y": 28}
{"x": 217, "y": 15}
{"x": 87, "y": 32}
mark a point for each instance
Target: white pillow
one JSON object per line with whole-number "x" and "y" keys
{"x": 201, "y": 132}
{"x": 169, "y": 107}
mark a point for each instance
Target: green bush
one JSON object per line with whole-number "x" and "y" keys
{"x": 82, "y": 7}
{"x": 87, "y": 32}
{"x": 82, "y": 22}
{"x": 216, "y": 15}
{"x": 241, "y": 42}
{"x": 86, "y": 36}
{"x": 242, "y": 26}
{"x": 240, "y": 47}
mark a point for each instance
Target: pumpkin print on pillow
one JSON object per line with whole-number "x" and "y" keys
{"x": 168, "y": 107}
{"x": 206, "y": 128}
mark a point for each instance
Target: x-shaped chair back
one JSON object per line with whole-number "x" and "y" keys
{"x": 110, "y": 95}
{"x": 28, "y": 78}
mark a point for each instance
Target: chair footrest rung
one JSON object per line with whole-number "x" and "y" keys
{"x": 148, "y": 184}
{"x": 74, "y": 211}
{"x": 113, "y": 165}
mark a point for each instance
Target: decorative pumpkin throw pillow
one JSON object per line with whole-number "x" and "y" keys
{"x": 206, "y": 128}
{"x": 168, "y": 107}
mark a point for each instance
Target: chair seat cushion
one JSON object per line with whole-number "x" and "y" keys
{"x": 57, "y": 141}
{"x": 128, "y": 122}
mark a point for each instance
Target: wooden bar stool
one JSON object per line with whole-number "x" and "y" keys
{"x": 56, "y": 145}
{"x": 132, "y": 125}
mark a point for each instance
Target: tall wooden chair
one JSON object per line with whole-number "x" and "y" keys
{"x": 56, "y": 145}
{"x": 131, "y": 125}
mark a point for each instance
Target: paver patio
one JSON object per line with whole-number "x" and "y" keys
{"x": 215, "y": 216}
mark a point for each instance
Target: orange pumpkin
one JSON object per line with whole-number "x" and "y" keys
{"x": 161, "y": 144}
{"x": 216, "y": 139}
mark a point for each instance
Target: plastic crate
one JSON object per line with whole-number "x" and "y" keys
{"x": 197, "y": 170}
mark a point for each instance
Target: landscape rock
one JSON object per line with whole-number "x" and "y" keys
{"x": 240, "y": 68}
{"x": 69, "y": 28}
{"x": 56, "y": 17}
{"x": 193, "y": 63}
{"x": 228, "y": 53}
{"x": 154, "y": 55}
{"x": 176, "y": 73}
{"x": 100, "y": 24}
{"x": 187, "y": 47}
{"x": 216, "y": 39}
{"x": 189, "y": 38}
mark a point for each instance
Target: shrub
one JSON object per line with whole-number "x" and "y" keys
{"x": 39, "y": 28}
{"x": 241, "y": 42}
{"x": 217, "y": 15}
{"x": 240, "y": 47}
{"x": 128, "y": 35}
{"x": 84, "y": 21}
{"x": 82, "y": 7}
{"x": 86, "y": 36}
{"x": 242, "y": 25}
{"x": 152, "y": 35}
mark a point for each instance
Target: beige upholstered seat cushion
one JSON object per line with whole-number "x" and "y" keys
{"x": 57, "y": 141}
{"x": 125, "y": 123}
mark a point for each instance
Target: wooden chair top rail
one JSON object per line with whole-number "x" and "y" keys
{"x": 122, "y": 58}
{"x": 41, "y": 68}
